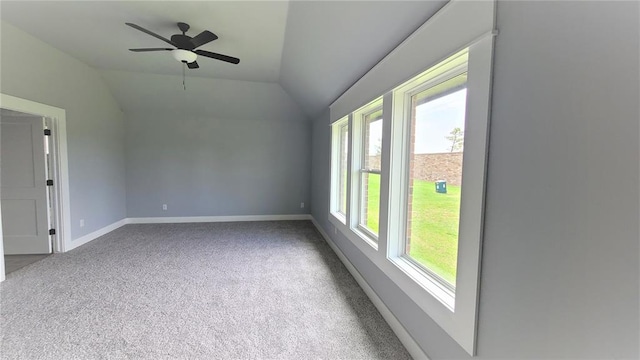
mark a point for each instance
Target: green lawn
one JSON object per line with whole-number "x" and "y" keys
{"x": 434, "y": 229}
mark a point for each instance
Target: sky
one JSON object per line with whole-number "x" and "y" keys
{"x": 434, "y": 122}
{"x": 436, "y": 119}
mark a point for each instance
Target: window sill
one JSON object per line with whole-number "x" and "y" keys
{"x": 340, "y": 218}
{"x": 359, "y": 239}
{"x": 426, "y": 281}
{"x": 366, "y": 236}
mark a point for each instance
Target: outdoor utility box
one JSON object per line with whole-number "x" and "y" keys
{"x": 441, "y": 186}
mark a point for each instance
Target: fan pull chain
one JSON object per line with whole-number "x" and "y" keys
{"x": 184, "y": 85}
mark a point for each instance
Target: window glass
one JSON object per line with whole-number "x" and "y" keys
{"x": 342, "y": 172}
{"x": 370, "y": 172}
{"x": 436, "y": 150}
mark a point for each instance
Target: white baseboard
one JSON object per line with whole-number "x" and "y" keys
{"x": 197, "y": 219}
{"x": 405, "y": 338}
{"x": 94, "y": 235}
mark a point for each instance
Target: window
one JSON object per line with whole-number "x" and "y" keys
{"x": 436, "y": 140}
{"x": 427, "y": 161}
{"x": 424, "y": 193}
{"x": 370, "y": 172}
{"x": 367, "y": 161}
{"x": 344, "y": 148}
{"x": 339, "y": 178}
{"x": 398, "y": 168}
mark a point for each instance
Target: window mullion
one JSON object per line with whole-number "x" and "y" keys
{"x": 385, "y": 159}
{"x": 350, "y": 147}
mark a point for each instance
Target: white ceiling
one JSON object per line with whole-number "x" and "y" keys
{"x": 95, "y": 33}
{"x": 314, "y": 49}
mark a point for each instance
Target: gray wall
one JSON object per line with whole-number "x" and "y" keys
{"x": 219, "y": 148}
{"x": 205, "y": 166}
{"x": 560, "y": 258}
{"x": 38, "y": 72}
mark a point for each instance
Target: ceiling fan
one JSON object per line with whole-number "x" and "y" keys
{"x": 185, "y": 46}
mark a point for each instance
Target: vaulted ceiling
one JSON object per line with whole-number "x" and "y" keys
{"x": 314, "y": 49}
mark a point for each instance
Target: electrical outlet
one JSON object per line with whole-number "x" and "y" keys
{"x": 81, "y": 222}
{"x": 164, "y": 207}
{"x": 301, "y": 205}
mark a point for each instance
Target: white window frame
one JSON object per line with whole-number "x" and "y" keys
{"x": 400, "y": 164}
{"x": 455, "y": 312}
{"x": 397, "y": 250}
{"x": 336, "y": 138}
{"x": 357, "y": 168}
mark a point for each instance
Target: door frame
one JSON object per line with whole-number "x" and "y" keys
{"x": 59, "y": 167}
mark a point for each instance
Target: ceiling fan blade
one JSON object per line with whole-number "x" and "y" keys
{"x": 203, "y": 38}
{"x": 150, "y": 49}
{"x": 151, "y": 33}
{"x": 229, "y": 59}
{"x": 193, "y": 65}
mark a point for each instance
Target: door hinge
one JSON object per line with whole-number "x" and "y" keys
{"x": 47, "y": 132}
{"x": 49, "y": 182}
{"x": 52, "y": 231}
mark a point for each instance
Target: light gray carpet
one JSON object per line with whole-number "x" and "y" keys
{"x": 251, "y": 290}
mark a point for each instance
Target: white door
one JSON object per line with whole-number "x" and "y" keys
{"x": 23, "y": 186}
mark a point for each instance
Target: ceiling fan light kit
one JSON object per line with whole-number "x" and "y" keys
{"x": 184, "y": 56}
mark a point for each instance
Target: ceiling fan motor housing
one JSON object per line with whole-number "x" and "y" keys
{"x": 184, "y": 27}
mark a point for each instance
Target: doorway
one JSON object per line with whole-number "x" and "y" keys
{"x": 34, "y": 186}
